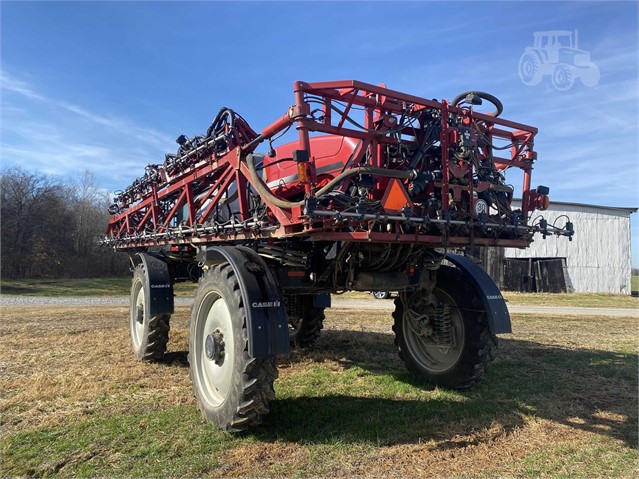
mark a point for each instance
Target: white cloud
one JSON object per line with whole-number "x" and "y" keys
{"x": 10, "y": 83}
{"x": 59, "y": 137}
{"x": 122, "y": 126}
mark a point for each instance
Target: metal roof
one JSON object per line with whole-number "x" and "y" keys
{"x": 623, "y": 209}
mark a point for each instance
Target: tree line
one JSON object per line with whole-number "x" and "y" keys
{"x": 51, "y": 228}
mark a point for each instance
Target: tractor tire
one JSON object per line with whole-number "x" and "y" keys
{"x": 305, "y": 322}
{"x": 530, "y": 69}
{"x": 231, "y": 388}
{"x": 149, "y": 334}
{"x": 456, "y": 367}
{"x": 562, "y": 77}
{"x": 590, "y": 77}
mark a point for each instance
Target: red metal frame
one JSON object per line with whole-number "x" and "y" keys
{"x": 176, "y": 208}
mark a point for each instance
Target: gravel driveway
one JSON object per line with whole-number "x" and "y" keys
{"x": 338, "y": 302}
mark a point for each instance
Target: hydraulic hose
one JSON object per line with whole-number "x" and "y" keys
{"x": 264, "y": 190}
{"x": 486, "y": 96}
{"x": 217, "y": 121}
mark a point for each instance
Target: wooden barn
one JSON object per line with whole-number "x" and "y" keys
{"x": 597, "y": 260}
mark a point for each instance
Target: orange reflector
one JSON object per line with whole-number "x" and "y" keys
{"x": 297, "y": 273}
{"x": 544, "y": 202}
{"x": 301, "y": 171}
{"x": 395, "y": 197}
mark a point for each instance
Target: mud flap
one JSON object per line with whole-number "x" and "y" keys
{"x": 322, "y": 300}
{"x": 496, "y": 309}
{"x": 158, "y": 287}
{"x": 265, "y": 311}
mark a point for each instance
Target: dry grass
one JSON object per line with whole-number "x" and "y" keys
{"x": 561, "y": 400}
{"x": 71, "y": 362}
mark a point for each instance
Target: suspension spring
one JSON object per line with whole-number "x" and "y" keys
{"x": 294, "y": 308}
{"x": 443, "y": 326}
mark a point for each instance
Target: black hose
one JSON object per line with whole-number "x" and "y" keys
{"x": 486, "y": 96}
{"x": 217, "y": 122}
{"x": 264, "y": 190}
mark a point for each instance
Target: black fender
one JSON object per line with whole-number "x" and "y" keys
{"x": 158, "y": 288}
{"x": 487, "y": 290}
{"x": 266, "y": 318}
{"x": 322, "y": 300}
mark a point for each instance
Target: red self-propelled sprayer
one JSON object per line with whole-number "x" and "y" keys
{"x": 375, "y": 193}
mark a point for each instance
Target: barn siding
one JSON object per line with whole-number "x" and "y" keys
{"x": 598, "y": 257}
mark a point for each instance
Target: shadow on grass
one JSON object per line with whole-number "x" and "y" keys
{"x": 586, "y": 389}
{"x": 176, "y": 358}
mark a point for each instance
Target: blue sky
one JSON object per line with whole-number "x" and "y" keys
{"x": 108, "y": 86}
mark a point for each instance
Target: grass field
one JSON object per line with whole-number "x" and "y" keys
{"x": 560, "y": 401}
{"x": 635, "y": 283}
{"x": 103, "y": 287}
{"x": 581, "y": 300}
{"x": 86, "y": 287}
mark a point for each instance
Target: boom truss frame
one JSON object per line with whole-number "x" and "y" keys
{"x": 173, "y": 206}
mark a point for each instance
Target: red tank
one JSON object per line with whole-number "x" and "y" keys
{"x": 331, "y": 153}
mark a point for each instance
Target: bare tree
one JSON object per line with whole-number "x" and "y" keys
{"x": 30, "y": 236}
{"x": 51, "y": 229}
{"x": 88, "y": 203}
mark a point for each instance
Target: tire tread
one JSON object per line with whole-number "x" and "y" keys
{"x": 472, "y": 368}
{"x": 257, "y": 374}
{"x": 154, "y": 345}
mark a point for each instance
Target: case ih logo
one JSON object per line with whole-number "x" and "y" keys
{"x": 266, "y": 304}
{"x": 557, "y": 55}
